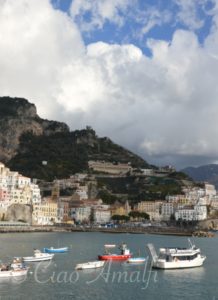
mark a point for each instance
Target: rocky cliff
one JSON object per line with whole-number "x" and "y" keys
{"x": 19, "y": 212}
{"x": 18, "y": 116}
{"x": 26, "y": 141}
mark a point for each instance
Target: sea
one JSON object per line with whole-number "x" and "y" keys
{"x": 59, "y": 280}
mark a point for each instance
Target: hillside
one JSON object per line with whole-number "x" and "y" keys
{"x": 26, "y": 141}
{"x": 18, "y": 116}
{"x": 48, "y": 150}
{"x": 208, "y": 173}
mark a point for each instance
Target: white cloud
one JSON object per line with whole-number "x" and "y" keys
{"x": 188, "y": 13}
{"x": 36, "y": 42}
{"x": 99, "y": 12}
{"x": 162, "y": 107}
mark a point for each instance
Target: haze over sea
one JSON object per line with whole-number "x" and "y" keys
{"x": 59, "y": 280}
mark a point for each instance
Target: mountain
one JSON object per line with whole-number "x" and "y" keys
{"x": 17, "y": 117}
{"x": 46, "y": 149}
{"x": 208, "y": 173}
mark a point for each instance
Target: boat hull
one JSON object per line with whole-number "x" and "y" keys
{"x": 13, "y": 273}
{"x": 40, "y": 258}
{"x": 55, "y": 250}
{"x": 161, "y": 264}
{"x": 90, "y": 265}
{"x": 114, "y": 256}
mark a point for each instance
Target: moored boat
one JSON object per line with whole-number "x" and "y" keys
{"x": 55, "y": 250}
{"x": 123, "y": 255}
{"x": 136, "y": 260}
{"x": 38, "y": 256}
{"x": 176, "y": 258}
{"x": 16, "y": 268}
{"x": 90, "y": 265}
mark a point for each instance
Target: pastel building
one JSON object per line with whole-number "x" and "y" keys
{"x": 152, "y": 208}
{"x": 45, "y": 213}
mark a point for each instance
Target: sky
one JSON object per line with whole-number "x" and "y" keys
{"x": 141, "y": 72}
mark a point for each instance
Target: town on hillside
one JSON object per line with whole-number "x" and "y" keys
{"x": 23, "y": 200}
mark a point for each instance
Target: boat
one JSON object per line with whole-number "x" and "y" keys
{"x": 123, "y": 255}
{"x": 55, "y": 250}
{"x": 14, "y": 269}
{"x": 136, "y": 260}
{"x": 90, "y": 265}
{"x": 38, "y": 256}
{"x": 176, "y": 258}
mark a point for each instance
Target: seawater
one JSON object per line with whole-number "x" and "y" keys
{"x": 59, "y": 280}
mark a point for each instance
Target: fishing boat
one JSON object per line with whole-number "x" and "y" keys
{"x": 123, "y": 255}
{"x": 136, "y": 260}
{"x": 38, "y": 256}
{"x": 15, "y": 268}
{"x": 90, "y": 265}
{"x": 55, "y": 250}
{"x": 176, "y": 258}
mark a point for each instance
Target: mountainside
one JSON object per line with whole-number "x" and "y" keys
{"x": 26, "y": 141}
{"x": 18, "y": 116}
{"x": 208, "y": 173}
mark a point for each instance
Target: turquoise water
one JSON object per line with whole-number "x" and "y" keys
{"x": 59, "y": 280}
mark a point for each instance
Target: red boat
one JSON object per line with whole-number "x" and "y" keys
{"x": 124, "y": 253}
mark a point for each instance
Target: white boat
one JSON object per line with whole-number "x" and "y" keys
{"x": 16, "y": 268}
{"x": 90, "y": 265}
{"x": 176, "y": 258}
{"x": 136, "y": 260}
{"x": 109, "y": 245}
{"x": 38, "y": 256}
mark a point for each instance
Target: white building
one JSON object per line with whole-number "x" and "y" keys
{"x": 81, "y": 213}
{"x": 102, "y": 214}
{"x": 167, "y": 211}
{"x": 82, "y": 192}
{"x": 15, "y": 188}
{"x": 210, "y": 190}
{"x": 197, "y": 213}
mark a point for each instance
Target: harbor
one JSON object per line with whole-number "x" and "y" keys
{"x": 58, "y": 279}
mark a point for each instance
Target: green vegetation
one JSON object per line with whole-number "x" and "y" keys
{"x": 107, "y": 197}
{"x": 66, "y": 153}
{"x": 120, "y": 218}
{"x": 138, "y": 188}
{"x": 9, "y": 106}
{"x": 63, "y": 156}
{"x": 139, "y": 215}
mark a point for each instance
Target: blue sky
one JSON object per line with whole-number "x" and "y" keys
{"x": 161, "y": 17}
{"x": 141, "y": 72}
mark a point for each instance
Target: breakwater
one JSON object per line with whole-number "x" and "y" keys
{"x": 133, "y": 230}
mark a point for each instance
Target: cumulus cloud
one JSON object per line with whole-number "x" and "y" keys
{"x": 163, "y": 107}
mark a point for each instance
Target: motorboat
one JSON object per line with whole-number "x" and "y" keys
{"x": 90, "y": 265}
{"x": 123, "y": 255}
{"x": 176, "y": 258}
{"x": 136, "y": 260}
{"x": 15, "y": 268}
{"x": 55, "y": 250}
{"x": 38, "y": 256}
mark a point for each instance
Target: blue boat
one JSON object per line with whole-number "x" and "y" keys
{"x": 55, "y": 250}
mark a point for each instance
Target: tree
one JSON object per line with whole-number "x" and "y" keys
{"x": 139, "y": 215}
{"x": 120, "y": 218}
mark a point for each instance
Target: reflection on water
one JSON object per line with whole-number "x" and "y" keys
{"x": 194, "y": 274}
{"x": 13, "y": 280}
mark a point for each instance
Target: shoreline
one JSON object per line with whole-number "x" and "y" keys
{"x": 153, "y": 230}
